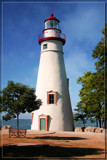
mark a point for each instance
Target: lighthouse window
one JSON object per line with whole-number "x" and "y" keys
{"x": 44, "y": 46}
{"x": 51, "y": 23}
{"x": 51, "y": 98}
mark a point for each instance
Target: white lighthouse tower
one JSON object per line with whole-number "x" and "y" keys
{"x": 55, "y": 113}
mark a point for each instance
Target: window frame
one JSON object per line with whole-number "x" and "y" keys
{"x": 55, "y": 24}
{"x": 48, "y": 97}
{"x": 45, "y": 46}
{"x": 51, "y": 98}
{"x": 46, "y": 121}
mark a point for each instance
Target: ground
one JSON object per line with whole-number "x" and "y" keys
{"x": 55, "y": 145}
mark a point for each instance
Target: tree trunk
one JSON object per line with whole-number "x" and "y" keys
{"x": 105, "y": 123}
{"x": 96, "y": 123}
{"x": 18, "y": 125}
{"x": 100, "y": 122}
{"x": 84, "y": 122}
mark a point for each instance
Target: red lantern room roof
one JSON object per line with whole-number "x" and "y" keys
{"x": 51, "y": 18}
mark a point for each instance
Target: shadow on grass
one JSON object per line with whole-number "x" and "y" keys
{"x": 48, "y": 151}
{"x": 59, "y": 138}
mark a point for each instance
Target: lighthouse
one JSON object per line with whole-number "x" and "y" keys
{"x": 55, "y": 113}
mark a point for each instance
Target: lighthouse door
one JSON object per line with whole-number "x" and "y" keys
{"x": 42, "y": 124}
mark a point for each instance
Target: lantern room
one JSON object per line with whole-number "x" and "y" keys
{"x": 51, "y": 22}
{"x": 51, "y": 31}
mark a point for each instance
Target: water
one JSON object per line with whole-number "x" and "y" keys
{"x": 26, "y": 123}
{"x": 88, "y": 123}
{"x": 23, "y": 123}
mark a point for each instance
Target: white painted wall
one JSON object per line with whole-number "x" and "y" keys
{"x": 52, "y": 76}
{"x": 52, "y": 45}
{"x": 52, "y": 33}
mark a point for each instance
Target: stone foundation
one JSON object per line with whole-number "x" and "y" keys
{"x": 90, "y": 129}
{"x": 6, "y": 127}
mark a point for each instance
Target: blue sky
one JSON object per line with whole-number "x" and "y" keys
{"x": 23, "y": 22}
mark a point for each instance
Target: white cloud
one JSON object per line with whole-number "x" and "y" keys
{"x": 77, "y": 62}
{"x": 84, "y": 23}
{"x": 25, "y": 115}
{"x": 83, "y": 28}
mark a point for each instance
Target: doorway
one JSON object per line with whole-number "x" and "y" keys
{"x": 42, "y": 124}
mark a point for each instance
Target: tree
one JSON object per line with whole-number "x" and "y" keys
{"x": 80, "y": 113}
{"x": 18, "y": 98}
{"x": 99, "y": 53}
{"x": 92, "y": 91}
{"x": 92, "y": 95}
{"x": 100, "y": 50}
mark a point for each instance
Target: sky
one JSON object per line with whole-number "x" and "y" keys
{"x": 81, "y": 22}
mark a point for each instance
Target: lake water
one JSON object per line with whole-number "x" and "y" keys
{"x": 26, "y": 123}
